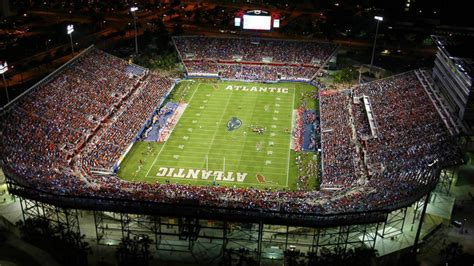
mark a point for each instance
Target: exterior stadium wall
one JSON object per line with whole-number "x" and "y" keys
{"x": 186, "y": 229}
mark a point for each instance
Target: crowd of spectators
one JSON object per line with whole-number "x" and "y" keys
{"x": 253, "y": 50}
{"x": 109, "y": 142}
{"x": 252, "y": 59}
{"x": 409, "y": 134}
{"x": 297, "y": 133}
{"x": 337, "y": 145}
{"x": 83, "y": 117}
{"x": 88, "y": 114}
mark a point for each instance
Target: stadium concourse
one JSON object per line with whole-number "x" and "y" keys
{"x": 382, "y": 143}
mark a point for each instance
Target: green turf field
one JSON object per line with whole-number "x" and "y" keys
{"x": 202, "y": 150}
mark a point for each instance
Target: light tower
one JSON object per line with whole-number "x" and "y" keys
{"x": 70, "y": 30}
{"x": 3, "y": 70}
{"x": 134, "y": 10}
{"x": 378, "y": 18}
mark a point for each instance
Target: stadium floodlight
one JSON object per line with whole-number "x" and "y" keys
{"x": 378, "y": 18}
{"x": 3, "y": 67}
{"x": 70, "y": 30}
{"x": 134, "y": 10}
{"x": 3, "y": 70}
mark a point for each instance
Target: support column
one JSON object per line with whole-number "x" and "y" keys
{"x": 445, "y": 180}
{"x": 99, "y": 225}
{"x": 393, "y": 226}
{"x": 420, "y": 224}
{"x": 125, "y": 225}
{"x": 224, "y": 238}
{"x": 259, "y": 242}
{"x": 66, "y": 219}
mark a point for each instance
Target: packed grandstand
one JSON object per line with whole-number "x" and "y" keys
{"x": 382, "y": 143}
{"x": 252, "y": 59}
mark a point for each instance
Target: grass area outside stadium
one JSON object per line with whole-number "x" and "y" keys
{"x": 203, "y": 150}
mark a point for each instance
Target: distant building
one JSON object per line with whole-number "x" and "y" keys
{"x": 453, "y": 73}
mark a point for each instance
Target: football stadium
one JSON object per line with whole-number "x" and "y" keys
{"x": 247, "y": 149}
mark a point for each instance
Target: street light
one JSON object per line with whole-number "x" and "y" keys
{"x": 134, "y": 9}
{"x": 378, "y": 18}
{"x": 3, "y": 70}
{"x": 70, "y": 30}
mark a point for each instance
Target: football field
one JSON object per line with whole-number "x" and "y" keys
{"x": 230, "y": 134}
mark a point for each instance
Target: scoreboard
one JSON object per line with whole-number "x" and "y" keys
{"x": 256, "y": 20}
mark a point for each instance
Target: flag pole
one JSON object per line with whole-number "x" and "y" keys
{"x": 224, "y": 166}
{"x": 207, "y": 163}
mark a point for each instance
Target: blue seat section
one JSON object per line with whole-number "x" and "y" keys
{"x": 310, "y": 131}
{"x": 159, "y": 121}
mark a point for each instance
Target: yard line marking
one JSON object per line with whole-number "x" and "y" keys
{"x": 204, "y": 144}
{"x": 156, "y": 157}
{"x": 229, "y": 159}
{"x": 218, "y": 109}
{"x": 193, "y": 163}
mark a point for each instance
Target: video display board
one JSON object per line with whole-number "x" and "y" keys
{"x": 257, "y": 22}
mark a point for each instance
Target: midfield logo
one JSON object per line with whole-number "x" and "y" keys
{"x": 233, "y": 123}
